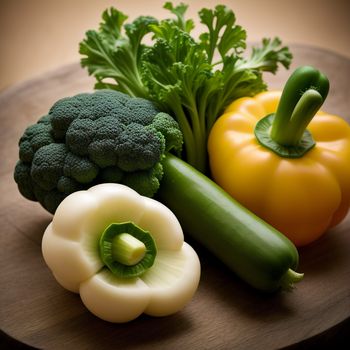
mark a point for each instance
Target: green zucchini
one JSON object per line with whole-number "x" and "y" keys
{"x": 254, "y": 250}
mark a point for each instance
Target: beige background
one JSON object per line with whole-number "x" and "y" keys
{"x": 39, "y": 35}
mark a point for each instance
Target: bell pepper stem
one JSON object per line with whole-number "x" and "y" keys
{"x": 127, "y": 249}
{"x": 302, "y": 96}
{"x": 284, "y": 132}
{"x": 292, "y": 129}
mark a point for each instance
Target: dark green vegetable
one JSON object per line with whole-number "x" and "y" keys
{"x": 87, "y": 139}
{"x": 254, "y": 250}
{"x": 191, "y": 79}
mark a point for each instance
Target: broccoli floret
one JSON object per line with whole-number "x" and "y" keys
{"x": 102, "y": 148}
{"x": 35, "y": 137}
{"x": 80, "y": 135}
{"x": 169, "y": 128}
{"x": 139, "y": 147}
{"x": 47, "y": 165}
{"x": 105, "y": 136}
{"x": 147, "y": 181}
{"x": 80, "y": 169}
{"x": 24, "y": 180}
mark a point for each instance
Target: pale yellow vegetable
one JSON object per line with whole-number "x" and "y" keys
{"x": 70, "y": 248}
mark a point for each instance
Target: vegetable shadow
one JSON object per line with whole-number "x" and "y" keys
{"x": 85, "y": 331}
{"x": 27, "y": 219}
{"x": 328, "y": 253}
{"x": 229, "y": 300}
{"x": 221, "y": 284}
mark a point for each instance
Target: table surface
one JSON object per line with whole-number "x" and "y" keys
{"x": 224, "y": 313}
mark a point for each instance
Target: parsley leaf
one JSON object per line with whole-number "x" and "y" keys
{"x": 193, "y": 79}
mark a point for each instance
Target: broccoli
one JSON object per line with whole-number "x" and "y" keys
{"x": 105, "y": 136}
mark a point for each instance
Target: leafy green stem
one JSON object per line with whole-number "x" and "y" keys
{"x": 200, "y": 139}
{"x": 189, "y": 141}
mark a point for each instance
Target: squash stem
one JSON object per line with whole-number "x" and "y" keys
{"x": 290, "y": 278}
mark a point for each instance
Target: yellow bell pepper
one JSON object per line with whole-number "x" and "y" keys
{"x": 297, "y": 180}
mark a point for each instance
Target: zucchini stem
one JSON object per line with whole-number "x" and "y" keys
{"x": 290, "y": 278}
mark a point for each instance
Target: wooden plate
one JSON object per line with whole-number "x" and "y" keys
{"x": 224, "y": 314}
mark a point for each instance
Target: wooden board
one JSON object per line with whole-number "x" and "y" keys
{"x": 224, "y": 314}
